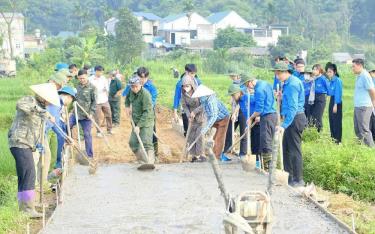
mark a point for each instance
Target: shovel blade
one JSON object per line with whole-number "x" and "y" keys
{"x": 281, "y": 177}
{"x": 146, "y": 167}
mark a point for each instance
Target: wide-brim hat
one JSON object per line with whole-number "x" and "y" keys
{"x": 246, "y": 78}
{"x": 48, "y": 92}
{"x": 202, "y": 91}
{"x": 280, "y": 66}
{"x": 233, "y": 89}
{"x": 68, "y": 90}
{"x": 59, "y": 78}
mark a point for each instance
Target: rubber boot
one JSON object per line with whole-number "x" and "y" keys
{"x": 151, "y": 156}
{"x": 156, "y": 150}
{"x": 267, "y": 158}
{"x": 29, "y": 208}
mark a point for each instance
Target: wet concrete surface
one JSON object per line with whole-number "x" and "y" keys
{"x": 175, "y": 198}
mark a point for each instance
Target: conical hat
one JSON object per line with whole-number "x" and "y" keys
{"x": 202, "y": 91}
{"x": 48, "y": 92}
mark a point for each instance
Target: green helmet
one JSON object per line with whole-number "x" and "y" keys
{"x": 233, "y": 89}
{"x": 59, "y": 78}
{"x": 245, "y": 78}
{"x": 280, "y": 66}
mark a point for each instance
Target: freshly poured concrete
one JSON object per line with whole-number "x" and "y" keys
{"x": 175, "y": 198}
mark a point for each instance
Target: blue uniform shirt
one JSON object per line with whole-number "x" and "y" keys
{"x": 306, "y": 85}
{"x": 243, "y": 102}
{"x": 335, "y": 89}
{"x": 277, "y": 82}
{"x": 214, "y": 110}
{"x": 321, "y": 85}
{"x": 55, "y": 111}
{"x": 149, "y": 86}
{"x": 293, "y": 100}
{"x": 264, "y": 100}
{"x": 177, "y": 92}
{"x": 363, "y": 84}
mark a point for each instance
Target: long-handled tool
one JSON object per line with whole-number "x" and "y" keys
{"x": 97, "y": 126}
{"x": 77, "y": 124}
{"x": 185, "y": 152}
{"x": 91, "y": 163}
{"x": 247, "y": 129}
{"x": 146, "y": 165}
{"x": 41, "y": 162}
{"x": 164, "y": 146}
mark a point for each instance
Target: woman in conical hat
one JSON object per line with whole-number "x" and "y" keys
{"x": 24, "y": 137}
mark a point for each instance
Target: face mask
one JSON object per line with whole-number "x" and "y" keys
{"x": 187, "y": 89}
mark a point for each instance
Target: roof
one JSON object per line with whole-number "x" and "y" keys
{"x": 217, "y": 17}
{"x": 341, "y": 56}
{"x": 148, "y": 16}
{"x": 359, "y": 56}
{"x": 171, "y": 18}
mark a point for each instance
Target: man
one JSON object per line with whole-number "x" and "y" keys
{"x": 60, "y": 66}
{"x": 74, "y": 71}
{"x": 86, "y": 98}
{"x": 293, "y": 99}
{"x": 217, "y": 116}
{"x": 240, "y": 98}
{"x": 190, "y": 71}
{"x": 102, "y": 105}
{"x": 264, "y": 108}
{"x": 372, "y": 124}
{"x": 138, "y": 105}
{"x": 68, "y": 76}
{"x": 364, "y": 102}
{"x": 114, "y": 99}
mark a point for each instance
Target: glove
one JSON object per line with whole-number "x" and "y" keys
{"x": 136, "y": 130}
{"x": 40, "y": 148}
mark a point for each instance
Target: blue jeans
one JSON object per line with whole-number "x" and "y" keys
{"x": 86, "y": 126}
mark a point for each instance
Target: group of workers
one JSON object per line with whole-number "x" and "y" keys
{"x": 297, "y": 99}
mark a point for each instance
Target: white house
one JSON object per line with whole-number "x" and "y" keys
{"x": 17, "y": 34}
{"x": 149, "y": 25}
{"x": 181, "y": 29}
{"x": 222, "y": 20}
{"x": 268, "y": 35}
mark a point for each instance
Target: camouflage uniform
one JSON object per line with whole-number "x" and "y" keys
{"x": 23, "y": 136}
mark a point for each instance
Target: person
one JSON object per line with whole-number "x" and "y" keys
{"x": 175, "y": 72}
{"x": 317, "y": 96}
{"x": 255, "y": 130}
{"x": 293, "y": 99}
{"x": 264, "y": 108}
{"x": 102, "y": 105}
{"x": 73, "y": 69}
{"x": 114, "y": 98}
{"x": 138, "y": 105}
{"x": 86, "y": 98}
{"x": 276, "y": 82}
{"x": 372, "y": 121}
{"x": 68, "y": 76}
{"x": 191, "y": 71}
{"x": 25, "y": 136}
{"x": 240, "y": 98}
{"x": 192, "y": 108}
{"x": 217, "y": 116}
{"x": 60, "y": 66}
{"x": 335, "y": 102}
{"x": 364, "y": 102}
{"x": 67, "y": 96}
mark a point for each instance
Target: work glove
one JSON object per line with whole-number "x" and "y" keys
{"x": 136, "y": 130}
{"x": 40, "y": 148}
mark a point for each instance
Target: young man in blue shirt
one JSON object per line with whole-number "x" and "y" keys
{"x": 264, "y": 108}
{"x": 293, "y": 100}
{"x": 217, "y": 116}
{"x": 364, "y": 102}
{"x": 191, "y": 71}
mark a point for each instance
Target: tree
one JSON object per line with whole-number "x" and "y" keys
{"x": 230, "y": 37}
{"x": 288, "y": 45}
{"x": 188, "y": 8}
{"x": 128, "y": 41}
{"x": 10, "y": 7}
{"x": 86, "y": 52}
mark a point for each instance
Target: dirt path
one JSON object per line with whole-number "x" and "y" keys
{"x": 175, "y": 198}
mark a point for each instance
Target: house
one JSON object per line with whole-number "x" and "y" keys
{"x": 222, "y": 20}
{"x": 182, "y": 28}
{"x": 342, "y": 57}
{"x": 17, "y": 34}
{"x": 149, "y": 25}
{"x": 269, "y": 35}
{"x": 33, "y": 43}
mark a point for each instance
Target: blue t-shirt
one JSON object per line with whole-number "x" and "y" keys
{"x": 264, "y": 99}
{"x": 363, "y": 84}
{"x": 335, "y": 89}
{"x": 321, "y": 85}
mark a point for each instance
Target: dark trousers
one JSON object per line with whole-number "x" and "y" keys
{"x": 155, "y": 140}
{"x": 308, "y": 109}
{"x": 86, "y": 126}
{"x": 60, "y": 146}
{"x": 255, "y": 139}
{"x": 293, "y": 162}
{"x": 116, "y": 111}
{"x": 335, "y": 120}
{"x": 267, "y": 132}
{"x": 318, "y": 110}
{"x": 185, "y": 121}
{"x": 25, "y": 168}
{"x": 228, "y": 139}
{"x": 372, "y": 126}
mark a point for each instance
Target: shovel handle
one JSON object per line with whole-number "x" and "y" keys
{"x": 241, "y": 137}
{"x": 185, "y": 151}
{"x": 139, "y": 138}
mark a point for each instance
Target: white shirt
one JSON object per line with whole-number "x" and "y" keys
{"x": 102, "y": 87}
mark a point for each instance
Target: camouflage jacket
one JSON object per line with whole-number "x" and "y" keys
{"x": 142, "y": 109}
{"x": 26, "y": 128}
{"x": 86, "y": 97}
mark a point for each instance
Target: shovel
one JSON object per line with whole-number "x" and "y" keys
{"x": 164, "y": 147}
{"x": 185, "y": 152}
{"x": 145, "y": 166}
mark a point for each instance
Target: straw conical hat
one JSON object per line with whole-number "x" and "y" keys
{"x": 48, "y": 92}
{"x": 202, "y": 91}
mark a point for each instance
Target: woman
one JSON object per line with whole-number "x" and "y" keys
{"x": 25, "y": 136}
{"x": 194, "y": 111}
{"x": 317, "y": 98}
{"x": 335, "y": 103}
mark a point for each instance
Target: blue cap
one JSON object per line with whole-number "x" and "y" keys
{"x": 68, "y": 90}
{"x": 60, "y": 66}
